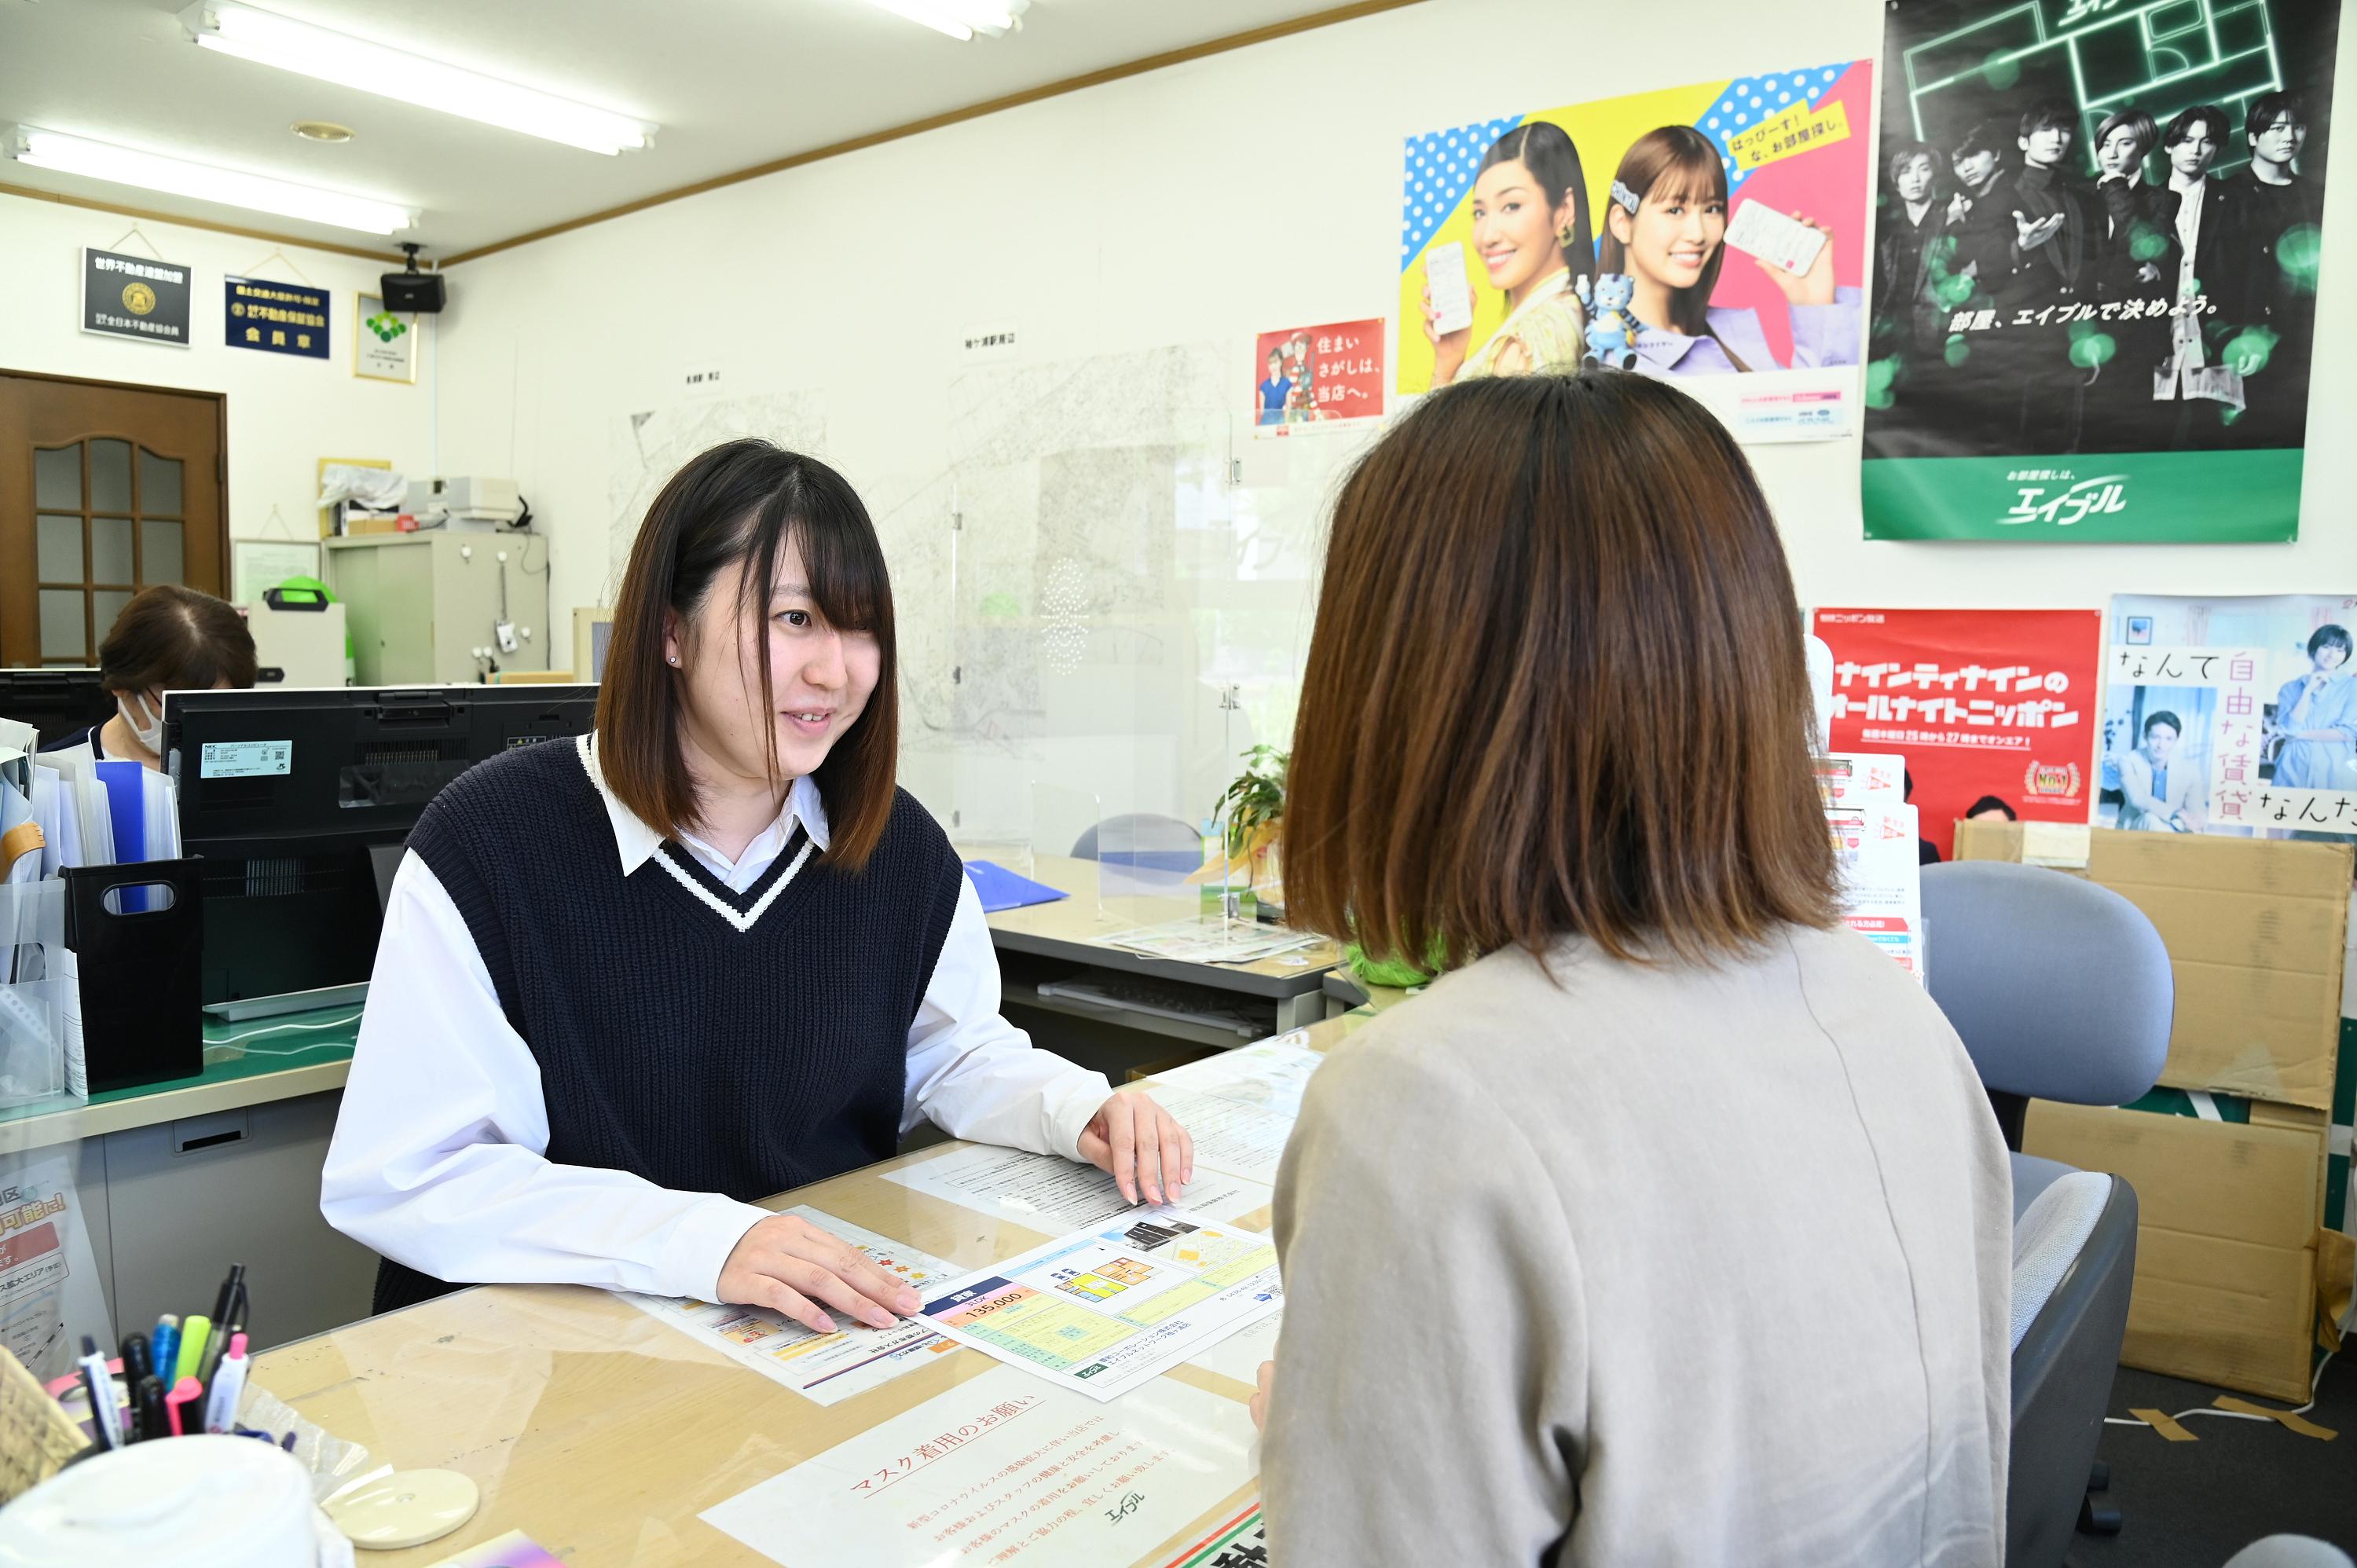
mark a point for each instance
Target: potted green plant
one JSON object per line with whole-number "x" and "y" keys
{"x": 1253, "y": 811}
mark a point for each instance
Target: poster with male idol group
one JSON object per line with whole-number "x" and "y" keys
{"x": 1712, "y": 234}
{"x": 2095, "y": 273}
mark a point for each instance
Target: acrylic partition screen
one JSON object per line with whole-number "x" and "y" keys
{"x": 1128, "y": 579}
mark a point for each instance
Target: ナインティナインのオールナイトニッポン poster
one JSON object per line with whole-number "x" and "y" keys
{"x": 1712, "y": 234}
{"x": 2098, "y": 238}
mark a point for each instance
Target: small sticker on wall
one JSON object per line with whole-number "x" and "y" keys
{"x": 705, "y": 379}
{"x": 979, "y": 343}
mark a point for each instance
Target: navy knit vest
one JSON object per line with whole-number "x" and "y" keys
{"x": 672, "y": 1044}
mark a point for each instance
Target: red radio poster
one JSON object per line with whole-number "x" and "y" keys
{"x": 1311, "y": 375}
{"x": 1995, "y": 711}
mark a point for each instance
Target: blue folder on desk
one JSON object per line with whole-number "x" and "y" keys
{"x": 1002, "y": 889}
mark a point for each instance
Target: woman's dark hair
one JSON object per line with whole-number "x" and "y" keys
{"x": 2181, "y": 128}
{"x": 1676, "y": 163}
{"x": 1547, "y": 151}
{"x": 2163, "y": 716}
{"x": 2328, "y": 636}
{"x": 746, "y": 501}
{"x": 1991, "y": 803}
{"x": 1906, "y": 153}
{"x": 170, "y": 638}
{"x": 1488, "y": 768}
{"x": 2137, "y": 120}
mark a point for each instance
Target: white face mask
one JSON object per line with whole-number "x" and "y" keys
{"x": 148, "y": 727}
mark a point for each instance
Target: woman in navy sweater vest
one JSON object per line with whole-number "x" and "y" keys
{"x": 629, "y": 986}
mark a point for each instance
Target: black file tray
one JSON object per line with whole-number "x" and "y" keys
{"x": 142, "y": 1018}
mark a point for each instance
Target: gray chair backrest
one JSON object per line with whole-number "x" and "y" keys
{"x": 1143, "y": 837}
{"x": 2060, "y": 989}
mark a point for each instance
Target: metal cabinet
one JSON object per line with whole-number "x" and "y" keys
{"x": 420, "y": 605}
{"x": 185, "y": 1199}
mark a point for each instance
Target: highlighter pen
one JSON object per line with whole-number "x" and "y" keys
{"x": 99, "y": 1383}
{"x": 153, "y": 1420}
{"x": 228, "y": 1386}
{"x": 135, "y": 1362}
{"x": 164, "y": 1349}
{"x": 194, "y": 1332}
{"x": 183, "y": 1425}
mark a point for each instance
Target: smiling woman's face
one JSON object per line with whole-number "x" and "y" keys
{"x": 1673, "y": 235}
{"x": 1515, "y": 225}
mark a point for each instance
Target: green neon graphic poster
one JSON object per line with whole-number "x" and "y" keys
{"x": 2098, "y": 245}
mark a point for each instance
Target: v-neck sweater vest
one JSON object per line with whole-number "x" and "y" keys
{"x": 704, "y": 1039}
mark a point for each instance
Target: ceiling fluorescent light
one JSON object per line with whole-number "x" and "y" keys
{"x": 298, "y": 47}
{"x": 961, "y": 19}
{"x": 154, "y": 171}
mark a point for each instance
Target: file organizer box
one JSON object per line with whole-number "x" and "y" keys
{"x": 34, "y": 1054}
{"x": 142, "y": 1020}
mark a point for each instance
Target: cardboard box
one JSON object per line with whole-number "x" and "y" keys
{"x": 2227, "y": 1239}
{"x": 2258, "y": 934}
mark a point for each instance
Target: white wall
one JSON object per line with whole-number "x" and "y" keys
{"x": 285, "y": 414}
{"x": 1192, "y": 206}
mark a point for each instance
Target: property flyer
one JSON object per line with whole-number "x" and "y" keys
{"x": 1101, "y": 1311}
{"x": 1052, "y": 1195}
{"x": 2232, "y": 715}
{"x": 1882, "y": 878}
{"x": 1713, "y": 234}
{"x": 1270, "y": 1073}
{"x": 1856, "y": 777}
{"x": 1994, "y": 710}
{"x": 824, "y": 1367}
{"x": 1003, "y": 1467}
{"x": 2098, "y": 268}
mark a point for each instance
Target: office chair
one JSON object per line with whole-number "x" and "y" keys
{"x": 2290, "y": 1552}
{"x": 1142, "y": 840}
{"x": 2061, "y": 989}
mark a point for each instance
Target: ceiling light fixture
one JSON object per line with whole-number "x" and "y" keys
{"x": 273, "y": 41}
{"x": 154, "y": 171}
{"x": 961, "y": 19}
{"x": 321, "y": 131}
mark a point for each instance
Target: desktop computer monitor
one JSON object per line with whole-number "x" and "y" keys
{"x": 55, "y": 701}
{"x": 299, "y": 800}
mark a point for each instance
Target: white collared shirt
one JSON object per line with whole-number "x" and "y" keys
{"x": 439, "y": 1157}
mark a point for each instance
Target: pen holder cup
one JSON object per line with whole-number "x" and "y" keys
{"x": 137, "y": 936}
{"x": 34, "y": 1049}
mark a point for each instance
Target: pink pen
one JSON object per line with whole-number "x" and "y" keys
{"x": 185, "y": 1392}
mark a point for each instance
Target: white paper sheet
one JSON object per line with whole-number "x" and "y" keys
{"x": 1052, "y": 1196}
{"x": 49, "y": 1290}
{"x": 1002, "y": 1463}
{"x": 1270, "y": 1074}
{"x": 1104, "y": 1310}
{"x": 1239, "y": 1356}
{"x": 1233, "y": 1137}
{"x": 825, "y": 1367}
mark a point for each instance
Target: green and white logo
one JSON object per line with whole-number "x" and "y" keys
{"x": 386, "y": 325}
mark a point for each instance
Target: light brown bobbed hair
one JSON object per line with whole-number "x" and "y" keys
{"x": 171, "y": 639}
{"x": 746, "y": 500}
{"x": 1556, "y": 687}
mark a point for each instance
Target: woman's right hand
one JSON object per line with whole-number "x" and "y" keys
{"x": 1447, "y": 348}
{"x": 789, "y": 1265}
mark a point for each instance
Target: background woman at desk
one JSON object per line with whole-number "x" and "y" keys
{"x": 1672, "y": 1225}
{"x": 709, "y": 953}
{"x": 168, "y": 638}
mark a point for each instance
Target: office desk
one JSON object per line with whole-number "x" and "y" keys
{"x": 1044, "y": 943}
{"x": 179, "y": 1179}
{"x": 603, "y": 1434}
